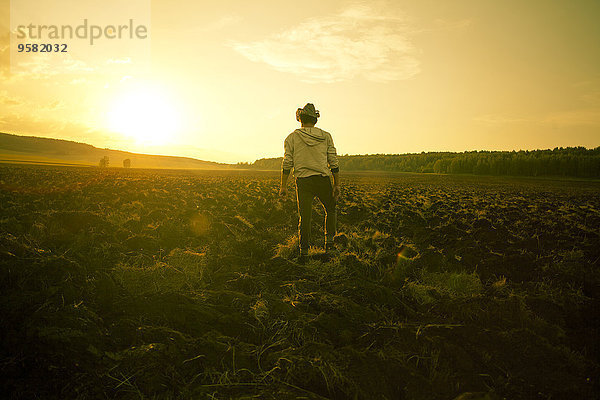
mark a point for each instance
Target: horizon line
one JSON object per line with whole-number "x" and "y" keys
{"x": 267, "y": 158}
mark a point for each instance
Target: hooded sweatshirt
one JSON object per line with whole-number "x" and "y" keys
{"x": 310, "y": 151}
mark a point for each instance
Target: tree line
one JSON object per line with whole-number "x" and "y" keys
{"x": 570, "y": 161}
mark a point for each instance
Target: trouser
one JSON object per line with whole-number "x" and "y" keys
{"x": 306, "y": 189}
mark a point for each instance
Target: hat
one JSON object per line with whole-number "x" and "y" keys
{"x": 309, "y": 109}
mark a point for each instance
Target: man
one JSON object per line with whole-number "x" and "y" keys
{"x": 310, "y": 152}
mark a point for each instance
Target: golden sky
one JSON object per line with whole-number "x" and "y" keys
{"x": 223, "y": 79}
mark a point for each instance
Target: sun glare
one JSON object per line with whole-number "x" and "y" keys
{"x": 147, "y": 116}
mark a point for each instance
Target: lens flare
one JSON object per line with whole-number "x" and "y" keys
{"x": 199, "y": 224}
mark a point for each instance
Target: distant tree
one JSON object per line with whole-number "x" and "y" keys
{"x": 104, "y": 162}
{"x": 570, "y": 161}
{"x": 127, "y": 163}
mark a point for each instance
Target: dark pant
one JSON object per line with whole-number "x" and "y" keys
{"x": 306, "y": 189}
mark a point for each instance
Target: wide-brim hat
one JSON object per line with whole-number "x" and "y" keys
{"x": 309, "y": 109}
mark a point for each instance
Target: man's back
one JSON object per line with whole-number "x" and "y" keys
{"x": 310, "y": 151}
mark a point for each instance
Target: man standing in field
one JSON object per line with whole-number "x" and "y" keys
{"x": 310, "y": 152}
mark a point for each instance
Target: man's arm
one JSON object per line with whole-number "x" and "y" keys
{"x": 332, "y": 159}
{"x": 286, "y": 165}
{"x": 284, "y": 178}
{"x": 336, "y": 178}
{"x": 336, "y": 184}
{"x": 334, "y": 165}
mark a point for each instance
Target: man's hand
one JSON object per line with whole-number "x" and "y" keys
{"x": 283, "y": 192}
{"x": 336, "y": 185}
{"x": 285, "y": 174}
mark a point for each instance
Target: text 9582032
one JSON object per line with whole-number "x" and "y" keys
{"x": 42, "y": 48}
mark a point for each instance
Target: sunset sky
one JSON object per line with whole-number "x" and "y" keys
{"x": 223, "y": 79}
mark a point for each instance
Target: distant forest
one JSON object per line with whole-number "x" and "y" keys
{"x": 570, "y": 161}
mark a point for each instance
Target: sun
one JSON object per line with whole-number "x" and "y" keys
{"x": 145, "y": 115}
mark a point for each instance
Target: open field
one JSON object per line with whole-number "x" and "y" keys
{"x": 16, "y": 159}
{"x": 182, "y": 284}
{"x": 18, "y": 149}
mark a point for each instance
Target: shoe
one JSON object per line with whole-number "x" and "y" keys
{"x": 330, "y": 252}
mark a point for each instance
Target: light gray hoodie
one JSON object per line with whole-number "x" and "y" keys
{"x": 309, "y": 151}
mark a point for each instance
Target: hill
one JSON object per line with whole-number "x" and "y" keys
{"x": 37, "y": 150}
